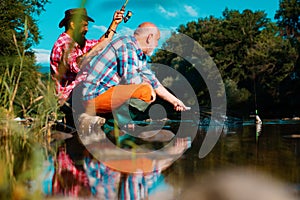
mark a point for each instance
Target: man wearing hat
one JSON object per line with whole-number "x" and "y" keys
{"x": 72, "y": 45}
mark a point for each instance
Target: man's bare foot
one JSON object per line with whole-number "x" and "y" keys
{"x": 89, "y": 124}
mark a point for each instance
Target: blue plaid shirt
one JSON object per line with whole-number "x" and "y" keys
{"x": 121, "y": 62}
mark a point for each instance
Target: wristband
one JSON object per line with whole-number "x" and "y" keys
{"x": 108, "y": 31}
{"x": 113, "y": 30}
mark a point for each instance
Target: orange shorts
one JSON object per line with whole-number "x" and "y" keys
{"x": 143, "y": 165}
{"x": 118, "y": 95}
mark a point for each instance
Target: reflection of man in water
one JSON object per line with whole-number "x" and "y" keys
{"x": 136, "y": 179}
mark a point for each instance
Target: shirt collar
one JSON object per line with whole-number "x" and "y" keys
{"x": 140, "y": 54}
{"x": 139, "y": 51}
{"x": 70, "y": 39}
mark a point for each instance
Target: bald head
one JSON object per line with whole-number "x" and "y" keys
{"x": 145, "y": 29}
{"x": 147, "y": 35}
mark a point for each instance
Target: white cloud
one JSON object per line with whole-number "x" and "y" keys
{"x": 165, "y": 34}
{"x": 191, "y": 11}
{"x": 120, "y": 31}
{"x": 167, "y": 13}
{"x": 125, "y": 31}
{"x": 101, "y": 28}
{"x": 42, "y": 56}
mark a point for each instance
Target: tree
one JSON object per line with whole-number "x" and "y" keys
{"x": 287, "y": 17}
{"x": 13, "y": 15}
{"x": 248, "y": 52}
{"x": 18, "y": 33}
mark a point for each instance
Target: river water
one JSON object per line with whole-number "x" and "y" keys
{"x": 271, "y": 149}
{"x": 244, "y": 156}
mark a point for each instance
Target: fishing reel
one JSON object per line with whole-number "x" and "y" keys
{"x": 127, "y": 16}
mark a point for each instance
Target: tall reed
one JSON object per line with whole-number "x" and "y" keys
{"x": 24, "y": 145}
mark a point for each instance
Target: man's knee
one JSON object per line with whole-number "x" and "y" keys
{"x": 145, "y": 91}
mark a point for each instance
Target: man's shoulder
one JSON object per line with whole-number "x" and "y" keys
{"x": 124, "y": 40}
{"x": 63, "y": 39}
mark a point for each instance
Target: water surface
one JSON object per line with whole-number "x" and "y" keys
{"x": 273, "y": 149}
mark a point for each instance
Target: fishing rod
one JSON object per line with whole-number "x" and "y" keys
{"x": 129, "y": 13}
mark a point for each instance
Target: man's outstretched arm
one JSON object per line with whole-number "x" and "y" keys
{"x": 166, "y": 95}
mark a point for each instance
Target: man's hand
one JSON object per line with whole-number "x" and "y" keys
{"x": 118, "y": 16}
{"x": 162, "y": 92}
{"x": 179, "y": 106}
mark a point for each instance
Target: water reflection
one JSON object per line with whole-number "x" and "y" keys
{"x": 76, "y": 172}
{"x": 239, "y": 146}
{"x": 269, "y": 148}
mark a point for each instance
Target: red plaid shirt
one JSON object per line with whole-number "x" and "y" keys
{"x": 63, "y": 63}
{"x": 68, "y": 180}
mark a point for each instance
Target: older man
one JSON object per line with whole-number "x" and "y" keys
{"x": 120, "y": 73}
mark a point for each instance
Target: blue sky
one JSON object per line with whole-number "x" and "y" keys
{"x": 166, "y": 14}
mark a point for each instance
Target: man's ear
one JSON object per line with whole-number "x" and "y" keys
{"x": 149, "y": 38}
{"x": 72, "y": 25}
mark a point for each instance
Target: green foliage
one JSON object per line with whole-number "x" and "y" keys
{"x": 20, "y": 160}
{"x": 246, "y": 47}
{"x": 13, "y": 15}
{"x": 273, "y": 60}
{"x": 23, "y": 169}
{"x": 287, "y": 17}
{"x": 234, "y": 94}
{"x": 18, "y": 32}
{"x": 26, "y": 93}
